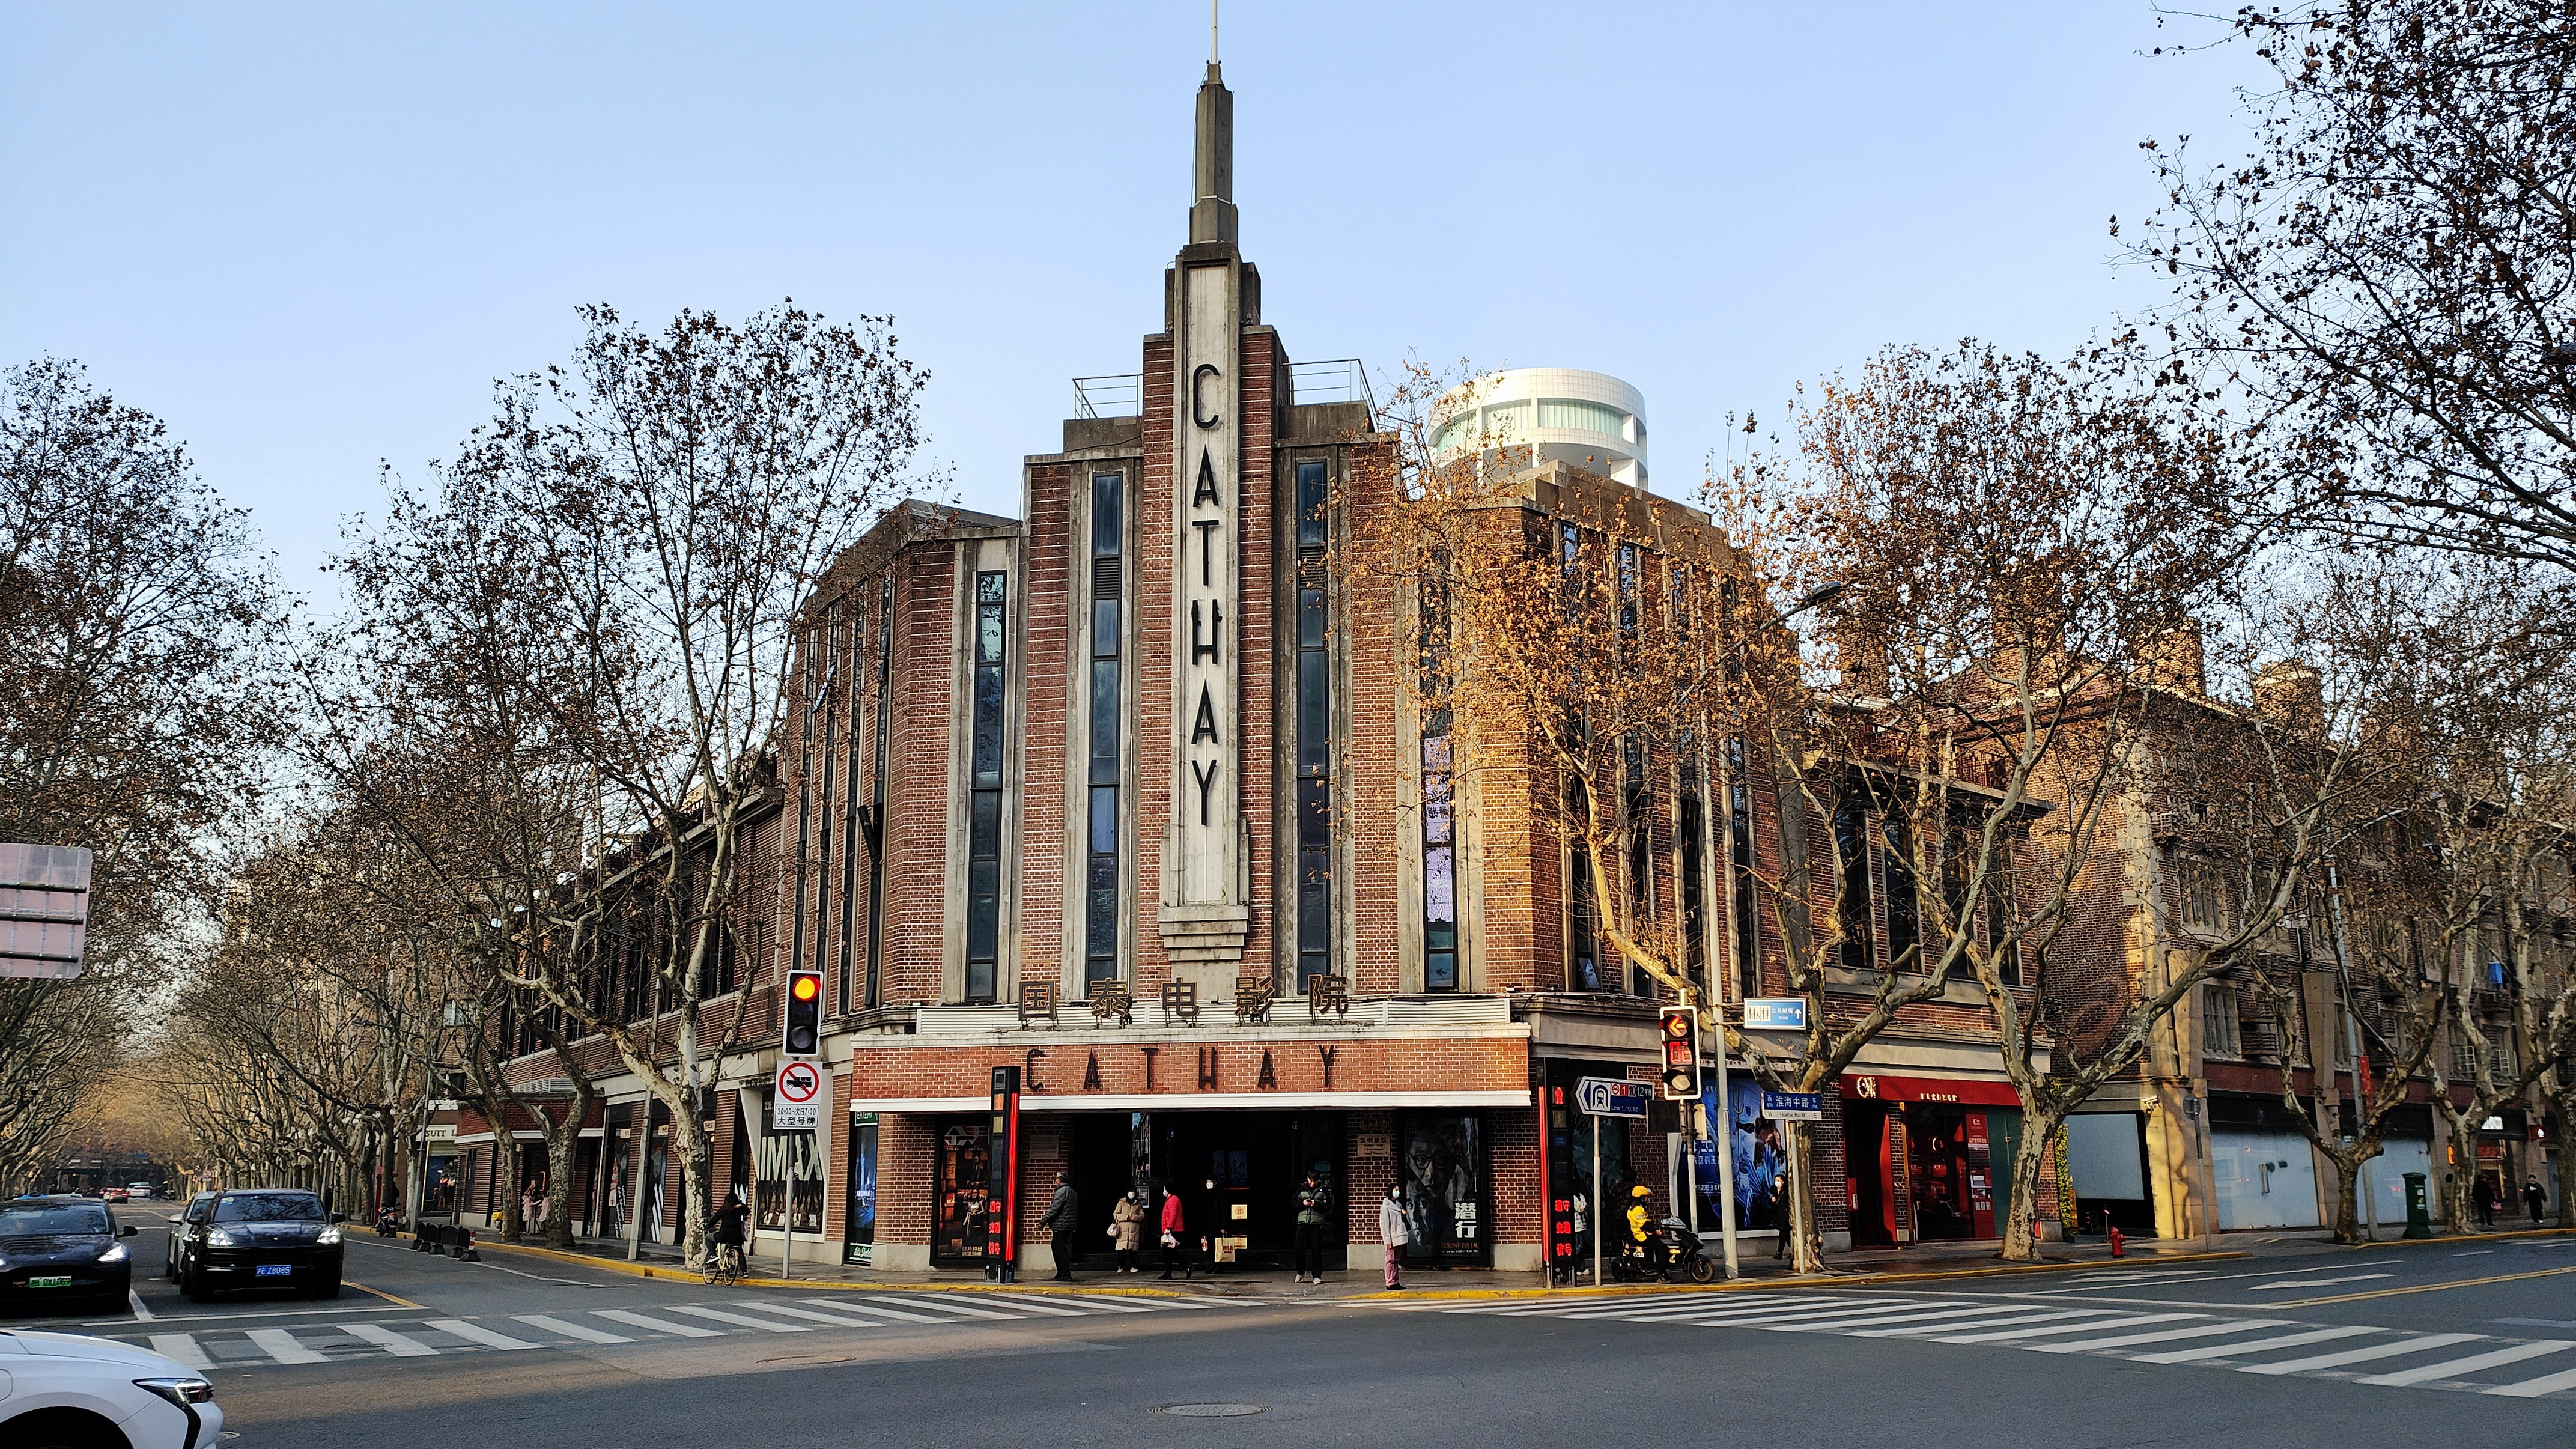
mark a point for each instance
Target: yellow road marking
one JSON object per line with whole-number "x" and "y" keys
{"x": 379, "y": 1292}
{"x": 2422, "y": 1288}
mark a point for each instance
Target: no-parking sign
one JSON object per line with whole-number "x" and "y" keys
{"x": 803, "y": 1095}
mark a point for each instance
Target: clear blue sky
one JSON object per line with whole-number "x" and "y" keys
{"x": 310, "y": 238}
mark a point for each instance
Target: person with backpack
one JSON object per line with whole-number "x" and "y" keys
{"x": 1312, "y": 1202}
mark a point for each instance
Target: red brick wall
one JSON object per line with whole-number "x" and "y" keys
{"x": 1050, "y": 654}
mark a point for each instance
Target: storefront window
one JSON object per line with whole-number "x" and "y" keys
{"x": 861, "y": 1237}
{"x": 965, "y": 1175}
{"x": 1440, "y": 1170}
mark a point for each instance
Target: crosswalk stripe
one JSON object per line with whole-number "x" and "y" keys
{"x": 2360, "y": 1355}
{"x": 2474, "y": 1362}
{"x": 1037, "y": 1305}
{"x": 2004, "y": 1320}
{"x": 477, "y": 1333}
{"x": 1700, "y": 1303}
{"x": 658, "y": 1325}
{"x": 571, "y": 1330}
{"x": 2007, "y": 1335}
{"x": 1764, "y": 1319}
{"x": 280, "y": 1345}
{"x": 836, "y": 1320}
{"x": 2260, "y": 1345}
{"x": 1879, "y": 1321}
{"x": 738, "y": 1320}
{"x": 837, "y": 1305}
{"x": 181, "y": 1348}
{"x": 2162, "y": 1335}
{"x": 2534, "y": 1388}
{"x": 1114, "y": 1305}
{"x": 943, "y": 1305}
{"x": 388, "y": 1340}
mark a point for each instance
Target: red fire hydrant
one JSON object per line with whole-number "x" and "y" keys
{"x": 2119, "y": 1243}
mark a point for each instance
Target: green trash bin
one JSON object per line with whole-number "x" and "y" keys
{"x": 2419, "y": 1219}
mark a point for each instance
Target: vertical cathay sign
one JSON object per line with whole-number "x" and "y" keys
{"x": 1206, "y": 907}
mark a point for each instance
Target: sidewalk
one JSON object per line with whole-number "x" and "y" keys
{"x": 1921, "y": 1262}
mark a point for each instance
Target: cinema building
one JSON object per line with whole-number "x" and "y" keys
{"x": 1129, "y": 794}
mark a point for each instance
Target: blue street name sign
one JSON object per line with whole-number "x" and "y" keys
{"x": 1775, "y": 1013}
{"x": 1794, "y": 1106}
{"x": 1611, "y": 1097}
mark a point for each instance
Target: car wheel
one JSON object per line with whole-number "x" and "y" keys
{"x": 63, "y": 1429}
{"x": 193, "y": 1283}
{"x": 328, "y": 1290}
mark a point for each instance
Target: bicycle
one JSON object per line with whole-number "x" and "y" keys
{"x": 725, "y": 1265}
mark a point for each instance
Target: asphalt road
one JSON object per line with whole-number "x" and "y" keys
{"x": 2470, "y": 1344}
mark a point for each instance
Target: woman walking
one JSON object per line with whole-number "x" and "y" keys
{"x": 1127, "y": 1224}
{"x": 1174, "y": 1226}
{"x": 1392, "y": 1232}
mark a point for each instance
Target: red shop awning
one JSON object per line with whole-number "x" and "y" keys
{"x": 1879, "y": 1087}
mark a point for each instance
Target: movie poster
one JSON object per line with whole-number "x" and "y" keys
{"x": 1756, "y": 1155}
{"x": 788, "y": 1191}
{"x": 1440, "y": 1171}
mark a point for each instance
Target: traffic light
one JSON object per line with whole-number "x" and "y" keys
{"x": 804, "y": 1037}
{"x": 1680, "y": 1032}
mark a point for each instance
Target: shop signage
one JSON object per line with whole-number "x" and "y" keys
{"x": 1372, "y": 1144}
{"x": 442, "y": 1132}
{"x": 1775, "y": 1013}
{"x": 1880, "y": 1087}
{"x": 800, "y": 1101}
{"x": 1794, "y": 1106}
{"x": 1612, "y": 1097}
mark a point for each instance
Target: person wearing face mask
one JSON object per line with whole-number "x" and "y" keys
{"x": 1393, "y": 1232}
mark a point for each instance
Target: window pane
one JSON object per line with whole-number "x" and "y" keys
{"x": 1310, "y": 505}
{"x": 988, "y": 725}
{"x": 1314, "y": 713}
{"x": 984, "y": 835}
{"x": 1314, "y": 814}
{"x": 1104, "y": 820}
{"x": 1104, "y": 628}
{"x": 988, "y": 634}
{"x": 1440, "y": 971}
{"x": 1105, "y": 500}
{"x": 1440, "y": 898}
{"x": 1100, "y": 921}
{"x": 983, "y": 909}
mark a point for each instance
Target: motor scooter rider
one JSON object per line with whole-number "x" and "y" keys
{"x": 1644, "y": 1240}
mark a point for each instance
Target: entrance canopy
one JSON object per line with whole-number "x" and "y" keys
{"x": 1880, "y": 1087}
{"x": 1197, "y": 1101}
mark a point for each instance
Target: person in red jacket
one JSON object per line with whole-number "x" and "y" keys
{"x": 1175, "y": 1250}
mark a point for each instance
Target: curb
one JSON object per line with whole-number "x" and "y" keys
{"x": 2453, "y": 1238}
{"x": 675, "y": 1274}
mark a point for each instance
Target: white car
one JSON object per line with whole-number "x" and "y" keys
{"x": 68, "y": 1391}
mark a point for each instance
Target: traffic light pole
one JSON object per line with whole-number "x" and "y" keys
{"x": 1721, "y": 1135}
{"x": 1596, "y": 1202}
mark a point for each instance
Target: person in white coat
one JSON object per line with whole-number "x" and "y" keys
{"x": 1391, "y": 1230}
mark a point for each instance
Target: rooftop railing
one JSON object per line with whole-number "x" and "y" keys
{"x": 1122, "y": 394}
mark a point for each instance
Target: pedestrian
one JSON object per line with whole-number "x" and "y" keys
{"x": 1779, "y": 1220}
{"x": 727, "y": 1231}
{"x": 2484, "y": 1194}
{"x": 1175, "y": 1225}
{"x": 1127, "y": 1230}
{"x": 2532, "y": 1197}
{"x": 528, "y": 1205}
{"x": 1391, "y": 1231}
{"x": 1058, "y": 1220}
{"x": 1312, "y": 1200}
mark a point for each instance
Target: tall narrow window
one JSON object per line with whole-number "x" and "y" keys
{"x": 1100, "y": 859}
{"x": 1904, "y": 931}
{"x": 1637, "y": 805}
{"x": 808, "y": 686}
{"x": 875, "y": 822}
{"x": 1739, "y": 845}
{"x": 984, "y": 823}
{"x": 820, "y": 702}
{"x": 1439, "y": 807}
{"x": 1851, "y": 861}
{"x": 1314, "y": 733}
{"x": 855, "y": 629}
{"x": 1582, "y": 910}
{"x": 1692, "y": 849}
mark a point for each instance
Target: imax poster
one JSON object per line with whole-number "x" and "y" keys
{"x": 1756, "y": 1157}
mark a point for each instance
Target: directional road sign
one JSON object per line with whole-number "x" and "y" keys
{"x": 1612, "y": 1097}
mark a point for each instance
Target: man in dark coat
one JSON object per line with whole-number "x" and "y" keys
{"x": 1058, "y": 1220}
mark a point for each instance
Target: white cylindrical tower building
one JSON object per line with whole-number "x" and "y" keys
{"x": 1586, "y": 420}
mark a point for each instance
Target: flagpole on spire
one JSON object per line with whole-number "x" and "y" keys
{"x": 1212, "y": 31}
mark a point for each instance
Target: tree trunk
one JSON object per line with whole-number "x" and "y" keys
{"x": 2565, "y": 1111}
{"x": 2347, "y": 1164}
{"x": 561, "y": 1149}
{"x": 2457, "y": 1182}
{"x": 1807, "y": 1249}
{"x": 2034, "y": 1154}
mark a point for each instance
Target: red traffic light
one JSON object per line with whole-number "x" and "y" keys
{"x": 807, "y": 986}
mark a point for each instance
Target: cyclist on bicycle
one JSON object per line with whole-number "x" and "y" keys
{"x": 727, "y": 1232}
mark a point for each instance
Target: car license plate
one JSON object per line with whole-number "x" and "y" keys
{"x": 49, "y": 1282}
{"x": 274, "y": 1270}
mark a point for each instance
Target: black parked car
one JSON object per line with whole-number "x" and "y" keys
{"x": 63, "y": 1254}
{"x": 194, "y": 1212}
{"x": 260, "y": 1238}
